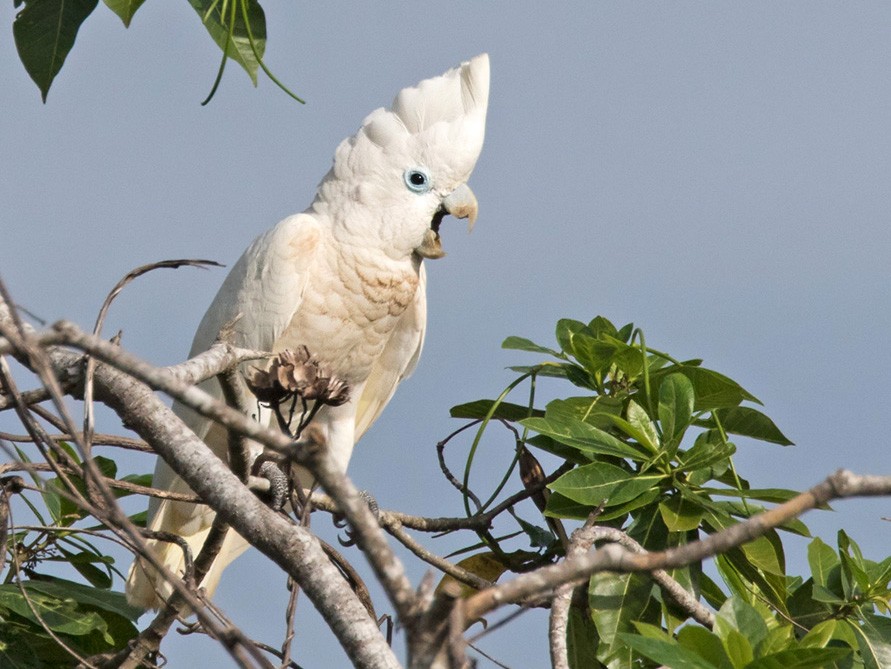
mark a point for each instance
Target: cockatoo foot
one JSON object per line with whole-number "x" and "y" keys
{"x": 277, "y": 495}
{"x": 340, "y": 521}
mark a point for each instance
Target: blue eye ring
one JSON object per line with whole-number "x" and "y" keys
{"x": 417, "y": 180}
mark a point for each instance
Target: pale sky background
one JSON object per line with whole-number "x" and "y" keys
{"x": 719, "y": 174}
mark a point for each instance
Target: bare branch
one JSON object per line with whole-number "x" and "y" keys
{"x": 558, "y": 622}
{"x": 368, "y": 533}
{"x": 115, "y": 440}
{"x": 442, "y": 564}
{"x": 113, "y": 483}
{"x": 612, "y": 557}
{"x": 294, "y": 549}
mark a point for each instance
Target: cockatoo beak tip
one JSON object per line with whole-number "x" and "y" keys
{"x": 461, "y": 203}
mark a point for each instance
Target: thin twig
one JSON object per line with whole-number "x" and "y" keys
{"x": 134, "y": 488}
{"x": 451, "y": 478}
{"x": 117, "y": 441}
{"x": 100, "y": 321}
{"x": 453, "y": 570}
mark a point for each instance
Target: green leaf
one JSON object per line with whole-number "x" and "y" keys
{"x": 616, "y": 602}
{"x": 853, "y": 564}
{"x": 874, "y": 638}
{"x": 125, "y": 9}
{"x": 739, "y": 616}
{"x": 567, "y": 329}
{"x": 107, "y": 600}
{"x": 583, "y": 436}
{"x": 216, "y": 17}
{"x": 538, "y": 536}
{"x": 741, "y": 574}
{"x": 688, "y": 577}
{"x": 820, "y": 634}
{"x": 84, "y": 563}
{"x": 642, "y": 500}
{"x": 800, "y": 658}
{"x": 680, "y": 513}
{"x": 138, "y": 479}
{"x": 675, "y": 409}
{"x": 44, "y": 33}
{"x": 711, "y": 592}
{"x": 592, "y": 409}
{"x": 711, "y": 389}
{"x": 668, "y": 653}
{"x": 708, "y": 449}
{"x": 60, "y": 615}
{"x": 624, "y": 333}
{"x": 781, "y": 637}
{"x": 822, "y": 560}
{"x": 766, "y": 553}
{"x": 480, "y": 409}
{"x": 745, "y": 509}
{"x": 706, "y": 644}
{"x": 581, "y": 641}
{"x": 559, "y": 506}
{"x": 779, "y": 495}
{"x": 559, "y": 449}
{"x": 602, "y": 326}
{"x": 523, "y": 344}
{"x": 826, "y": 596}
{"x": 750, "y": 422}
{"x": 646, "y": 432}
{"x": 591, "y": 484}
{"x": 738, "y": 648}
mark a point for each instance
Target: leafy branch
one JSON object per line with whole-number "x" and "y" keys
{"x": 45, "y": 32}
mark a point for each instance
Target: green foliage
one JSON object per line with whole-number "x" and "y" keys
{"x": 40, "y": 613}
{"x": 86, "y": 619}
{"x": 646, "y": 440}
{"x": 45, "y": 32}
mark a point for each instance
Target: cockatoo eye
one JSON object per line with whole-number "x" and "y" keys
{"x": 417, "y": 179}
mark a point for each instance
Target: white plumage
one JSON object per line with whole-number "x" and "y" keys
{"x": 345, "y": 279}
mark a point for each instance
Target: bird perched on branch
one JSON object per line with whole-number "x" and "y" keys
{"x": 344, "y": 280}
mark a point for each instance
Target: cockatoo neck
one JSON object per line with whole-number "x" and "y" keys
{"x": 387, "y": 229}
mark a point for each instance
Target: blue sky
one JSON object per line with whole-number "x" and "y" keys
{"x": 718, "y": 173}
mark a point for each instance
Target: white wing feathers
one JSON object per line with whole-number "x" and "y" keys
{"x": 265, "y": 287}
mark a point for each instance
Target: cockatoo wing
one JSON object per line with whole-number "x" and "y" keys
{"x": 397, "y": 362}
{"x": 264, "y": 290}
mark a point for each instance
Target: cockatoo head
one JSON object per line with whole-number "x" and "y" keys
{"x": 407, "y": 166}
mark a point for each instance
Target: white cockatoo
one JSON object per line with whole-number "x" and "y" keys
{"x": 345, "y": 279}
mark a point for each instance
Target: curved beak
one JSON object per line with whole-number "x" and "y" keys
{"x": 460, "y": 203}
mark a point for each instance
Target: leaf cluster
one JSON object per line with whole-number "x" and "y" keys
{"x": 648, "y": 440}
{"x": 45, "y": 32}
{"x": 42, "y": 614}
